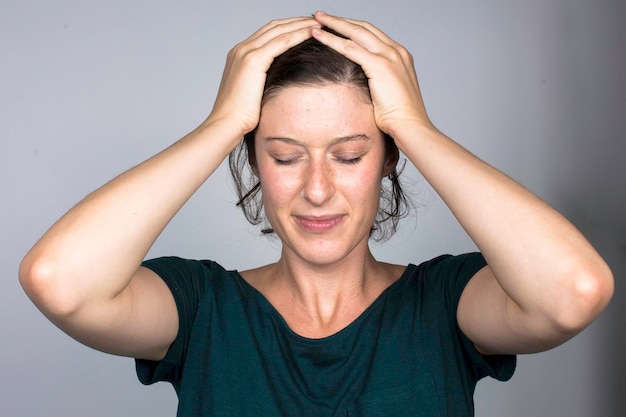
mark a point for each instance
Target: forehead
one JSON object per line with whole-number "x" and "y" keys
{"x": 330, "y": 110}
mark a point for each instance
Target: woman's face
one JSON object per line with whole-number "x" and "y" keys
{"x": 320, "y": 158}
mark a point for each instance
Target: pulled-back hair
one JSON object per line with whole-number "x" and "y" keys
{"x": 313, "y": 63}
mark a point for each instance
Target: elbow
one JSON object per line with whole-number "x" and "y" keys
{"x": 41, "y": 282}
{"x": 589, "y": 292}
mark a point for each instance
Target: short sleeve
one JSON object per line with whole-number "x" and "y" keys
{"x": 450, "y": 274}
{"x": 186, "y": 280}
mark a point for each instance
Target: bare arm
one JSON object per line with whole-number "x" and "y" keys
{"x": 545, "y": 282}
{"x": 84, "y": 273}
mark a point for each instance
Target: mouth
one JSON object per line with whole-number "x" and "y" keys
{"x": 319, "y": 224}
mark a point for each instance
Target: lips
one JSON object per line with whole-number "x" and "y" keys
{"x": 319, "y": 224}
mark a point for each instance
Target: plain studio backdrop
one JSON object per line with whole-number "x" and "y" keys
{"x": 90, "y": 88}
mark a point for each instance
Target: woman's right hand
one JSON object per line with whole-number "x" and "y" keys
{"x": 85, "y": 273}
{"x": 238, "y": 101}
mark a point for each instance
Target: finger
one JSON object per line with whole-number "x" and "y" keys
{"x": 275, "y": 23}
{"x": 275, "y": 28}
{"x": 270, "y": 41}
{"x": 357, "y": 30}
{"x": 371, "y": 62}
{"x": 278, "y": 42}
{"x": 352, "y": 50}
{"x": 361, "y": 34}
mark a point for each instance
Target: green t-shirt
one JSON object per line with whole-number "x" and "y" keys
{"x": 405, "y": 355}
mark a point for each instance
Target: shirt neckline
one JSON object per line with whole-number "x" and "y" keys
{"x": 266, "y": 305}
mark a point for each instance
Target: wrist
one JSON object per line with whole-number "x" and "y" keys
{"x": 221, "y": 131}
{"x": 408, "y": 133}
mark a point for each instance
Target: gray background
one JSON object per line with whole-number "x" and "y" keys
{"x": 88, "y": 89}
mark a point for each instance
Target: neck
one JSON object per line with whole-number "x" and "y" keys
{"x": 319, "y": 300}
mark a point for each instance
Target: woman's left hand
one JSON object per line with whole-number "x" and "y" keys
{"x": 544, "y": 282}
{"x": 389, "y": 67}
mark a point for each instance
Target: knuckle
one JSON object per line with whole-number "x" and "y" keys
{"x": 405, "y": 54}
{"x": 349, "y": 45}
{"x": 368, "y": 26}
{"x": 400, "y": 55}
{"x": 393, "y": 56}
{"x": 250, "y": 57}
{"x": 238, "y": 50}
{"x": 284, "y": 38}
{"x": 360, "y": 31}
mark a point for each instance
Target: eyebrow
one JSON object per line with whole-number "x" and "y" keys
{"x": 342, "y": 139}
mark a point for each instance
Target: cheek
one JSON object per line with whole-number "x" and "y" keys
{"x": 277, "y": 186}
{"x": 362, "y": 187}
{"x": 372, "y": 195}
{"x": 371, "y": 185}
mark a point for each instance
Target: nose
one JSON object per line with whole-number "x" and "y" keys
{"x": 318, "y": 185}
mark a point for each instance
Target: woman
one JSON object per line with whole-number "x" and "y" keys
{"x": 327, "y": 329}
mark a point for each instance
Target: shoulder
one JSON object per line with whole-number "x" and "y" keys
{"x": 174, "y": 267}
{"x": 448, "y": 264}
{"x": 444, "y": 277}
{"x": 190, "y": 278}
{"x": 179, "y": 264}
{"x": 448, "y": 269}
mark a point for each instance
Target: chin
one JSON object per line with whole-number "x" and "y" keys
{"x": 326, "y": 251}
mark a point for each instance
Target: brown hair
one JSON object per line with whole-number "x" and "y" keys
{"x": 313, "y": 63}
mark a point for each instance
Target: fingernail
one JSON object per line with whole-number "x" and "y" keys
{"x": 320, "y": 13}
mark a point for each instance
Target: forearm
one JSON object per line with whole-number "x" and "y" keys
{"x": 544, "y": 282}
{"x": 94, "y": 250}
{"x": 539, "y": 258}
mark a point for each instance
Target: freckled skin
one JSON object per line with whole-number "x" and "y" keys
{"x": 339, "y": 192}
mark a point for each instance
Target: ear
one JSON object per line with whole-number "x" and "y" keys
{"x": 392, "y": 155}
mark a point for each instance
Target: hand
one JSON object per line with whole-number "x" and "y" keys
{"x": 389, "y": 67}
{"x": 239, "y": 97}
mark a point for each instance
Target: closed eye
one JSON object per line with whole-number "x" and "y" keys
{"x": 285, "y": 161}
{"x": 350, "y": 160}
